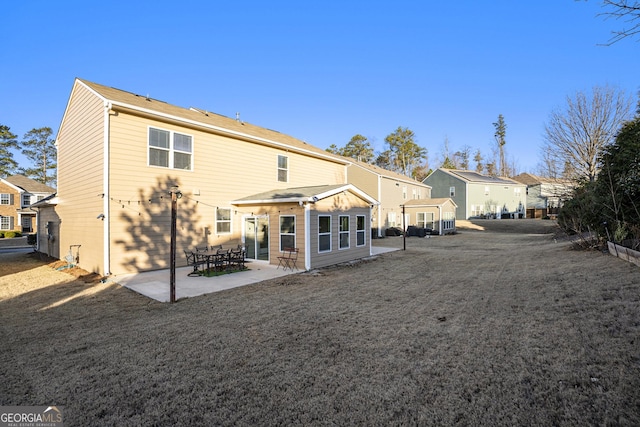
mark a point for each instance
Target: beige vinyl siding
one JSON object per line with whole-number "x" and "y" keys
{"x": 365, "y": 180}
{"x": 80, "y": 178}
{"x": 224, "y": 169}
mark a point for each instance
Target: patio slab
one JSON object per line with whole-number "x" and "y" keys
{"x": 155, "y": 284}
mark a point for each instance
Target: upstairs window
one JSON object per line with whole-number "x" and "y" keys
{"x": 5, "y": 199}
{"x": 26, "y": 200}
{"x": 169, "y": 149}
{"x": 283, "y": 169}
{"x": 452, "y": 191}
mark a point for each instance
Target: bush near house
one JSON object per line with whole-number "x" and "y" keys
{"x": 10, "y": 234}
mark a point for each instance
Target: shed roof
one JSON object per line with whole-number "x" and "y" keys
{"x": 429, "y": 202}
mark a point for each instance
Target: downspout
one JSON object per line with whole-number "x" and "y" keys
{"x": 440, "y": 220}
{"x": 106, "y": 196}
{"x": 379, "y": 206}
{"x": 307, "y": 236}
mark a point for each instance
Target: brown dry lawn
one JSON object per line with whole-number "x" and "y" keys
{"x": 500, "y": 325}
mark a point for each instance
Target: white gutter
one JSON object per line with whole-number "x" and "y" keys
{"x": 106, "y": 232}
{"x": 307, "y": 236}
{"x": 380, "y": 207}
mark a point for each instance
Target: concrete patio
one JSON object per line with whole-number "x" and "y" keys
{"x": 155, "y": 284}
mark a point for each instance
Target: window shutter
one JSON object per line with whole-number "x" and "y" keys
{"x": 11, "y": 197}
{"x": 11, "y": 219}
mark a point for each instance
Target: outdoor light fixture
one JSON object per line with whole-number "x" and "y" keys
{"x": 101, "y": 216}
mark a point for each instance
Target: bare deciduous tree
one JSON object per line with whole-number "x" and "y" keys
{"x": 629, "y": 12}
{"x": 576, "y": 135}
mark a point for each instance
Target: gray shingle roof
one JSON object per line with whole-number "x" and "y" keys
{"x": 29, "y": 185}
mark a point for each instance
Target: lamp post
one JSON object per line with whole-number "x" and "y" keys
{"x": 175, "y": 195}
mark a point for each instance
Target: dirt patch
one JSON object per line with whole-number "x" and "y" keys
{"x": 486, "y": 327}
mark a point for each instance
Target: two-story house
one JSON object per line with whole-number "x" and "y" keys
{"x": 17, "y": 193}
{"x": 121, "y": 156}
{"x": 477, "y": 195}
{"x": 545, "y": 196}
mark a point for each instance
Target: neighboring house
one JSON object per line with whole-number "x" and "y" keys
{"x": 122, "y": 155}
{"x": 17, "y": 193}
{"x": 545, "y": 195}
{"x": 438, "y": 215}
{"x": 391, "y": 189}
{"x": 479, "y": 196}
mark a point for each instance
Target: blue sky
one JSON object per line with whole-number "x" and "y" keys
{"x": 323, "y": 71}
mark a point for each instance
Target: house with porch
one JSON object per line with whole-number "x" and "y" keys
{"x": 477, "y": 195}
{"x": 545, "y": 196}
{"x": 17, "y": 193}
{"x": 392, "y": 190}
{"x": 121, "y": 157}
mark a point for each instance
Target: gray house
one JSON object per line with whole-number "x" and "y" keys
{"x": 544, "y": 195}
{"x": 477, "y": 195}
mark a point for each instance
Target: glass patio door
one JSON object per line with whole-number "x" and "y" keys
{"x": 256, "y": 238}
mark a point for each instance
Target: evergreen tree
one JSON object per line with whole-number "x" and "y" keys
{"x": 7, "y": 143}
{"x": 40, "y": 149}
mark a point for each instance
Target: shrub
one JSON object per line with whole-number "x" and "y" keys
{"x": 1, "y": 234}
{"x": 32, "y": 239}
{"x": 11, "y": 234}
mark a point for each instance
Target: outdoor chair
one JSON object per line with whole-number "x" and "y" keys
{"x": 288, "y": 258}
{"x": 221, "y": 260}
{"x": 194, "y": 261}
{"x": 236, "y": 258}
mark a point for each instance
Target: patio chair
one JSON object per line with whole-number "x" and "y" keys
{"x": 194, "y": 261}
{"x": 288, "y": 259}
{"x": 221, "y": 260}
{"x": 236, "y": 258}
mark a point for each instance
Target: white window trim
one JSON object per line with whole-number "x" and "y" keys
{"x": 282, "y": 169}
{"x": 325, "y": 234}
{"x": 7, "y": 197}
{"x": 452, "y": 191}
{"x": 230, "y": 221}
{"x": 171, "y": 150}
{"x": 341, "y": 232}
{"x": 280, "y": 233}
{"x": 363, "y": 231}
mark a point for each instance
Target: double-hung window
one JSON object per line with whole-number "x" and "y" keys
{"x": 452, "y": 191}
{"x": 344, "y": 232}
{"x": 5, "y": 222}
{"x": 360, "y": 230}
{"x": 5, "y": 199}
{"x": 223, "y": 221}
{"x": 170, "y": 149}
{"x": 26, "y": 200}
{"x": 283, "y": 169}
{"x": 324, "y": 233}
{"x": 287, "y": 231}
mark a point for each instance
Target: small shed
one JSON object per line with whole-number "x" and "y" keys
{"x": 438, "y": 215}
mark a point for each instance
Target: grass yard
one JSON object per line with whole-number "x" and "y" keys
{"x": 497, "y": 325}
